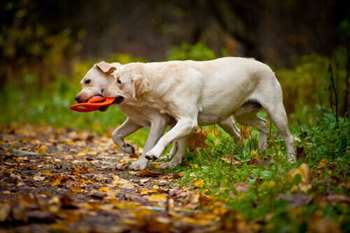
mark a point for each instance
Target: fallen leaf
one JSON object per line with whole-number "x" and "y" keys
{"x": 323, "y": 225}
{"x": 158, "y": 197}
{"x": 198, "y": 183}
{"x": 104, "y": 189}
{"x": 39, "y": 177}
{"x": 122, "y": 183}
{"x": 148, "y": 173}
{"x": 323, "y": 163}
{"x": 43, "y": 149}
{"x": 58, "y": 179}
{"x": 197, "y": 140}
{"x": 304, "y": 172}
{"x": 4, "y": 211}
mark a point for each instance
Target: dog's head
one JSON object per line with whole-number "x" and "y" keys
{"x": 96, "y": 80}
{"x": 129, "y": 84}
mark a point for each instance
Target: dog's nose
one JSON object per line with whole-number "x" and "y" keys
{"x": 78, "y": 99}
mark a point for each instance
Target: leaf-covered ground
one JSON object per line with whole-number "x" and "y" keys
{"x": 60, "y": 180}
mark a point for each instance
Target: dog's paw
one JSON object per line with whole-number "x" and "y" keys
{"x": 139, "y": 164}
{"x": 127, "y": 148}
{"x": 152, "y": 155}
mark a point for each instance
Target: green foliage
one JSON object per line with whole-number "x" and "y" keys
{"x": 306, "y": 83}
{"x": 309, "y": 83}
{"x": 256, "y": 182}
{"x": 344, "y": 29}
{"x": 124, "y": 58}
{"x": 328, "y": 138}
{"x": 186, "y": 51}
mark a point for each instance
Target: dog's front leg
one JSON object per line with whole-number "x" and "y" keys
{"x": 183, "y": 127}
{"x": 118, "y": 135}
{"x": 158, "y": 125}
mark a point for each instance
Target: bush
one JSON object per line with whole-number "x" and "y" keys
{"x": 186, "y": 51}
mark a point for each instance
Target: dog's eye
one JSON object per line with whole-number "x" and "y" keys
{"x": 118, "y": 81}
{"x": 87, "y": 81}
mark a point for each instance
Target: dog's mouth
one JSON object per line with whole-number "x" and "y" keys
{"x": 118, "y": 99}
{"x": 101, "y": 109}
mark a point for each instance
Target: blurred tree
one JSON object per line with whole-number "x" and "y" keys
{"x": 37, "y": 32}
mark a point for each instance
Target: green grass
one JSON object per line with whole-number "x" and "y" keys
{"x": 268, "y": 181}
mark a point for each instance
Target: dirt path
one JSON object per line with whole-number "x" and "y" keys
{"x": 58, "y": 180}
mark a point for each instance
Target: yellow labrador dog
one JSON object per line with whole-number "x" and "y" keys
{"x": 203, "y": 92}
{"x": 103, "y": 75}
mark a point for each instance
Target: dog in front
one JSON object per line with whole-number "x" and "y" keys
{"x": 103, "y": 76}
{"x": 203, "y": 92}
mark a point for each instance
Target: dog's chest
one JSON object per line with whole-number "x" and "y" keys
{"x": 137, "y": 114}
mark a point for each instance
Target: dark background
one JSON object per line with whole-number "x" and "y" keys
{"x": 272, "y": 30}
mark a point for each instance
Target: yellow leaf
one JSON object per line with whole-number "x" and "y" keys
{"x": 304, "y": 172}
{"x": 43, "y": 149}
{"x": 125, "y": 204}
{"x": 199, "y": 183}
{"x": 122, "y": 183}
{"x": 81, "y": 153}
{"x": 146, "y": 191}
{"x": 46, "y": 172}
{"x": 254, "y": 153}
{"x": 323, "y": 163}
{"x": 104, "y": 189}
{"x": 158, "y": 197}
{"x": 56, "y": 181}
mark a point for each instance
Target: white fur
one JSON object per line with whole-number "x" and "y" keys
{"x": 203, "y": 93}
{"x": 138, "y": 116}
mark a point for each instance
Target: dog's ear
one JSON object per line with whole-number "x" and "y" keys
{"x": 106, "y": 67}
{"x": 140, "y": 86}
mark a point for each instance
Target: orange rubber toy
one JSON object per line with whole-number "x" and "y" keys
{"x": 93, "y": 104}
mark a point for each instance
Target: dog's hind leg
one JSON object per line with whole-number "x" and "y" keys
{"x": 278, "y": 115}
{"x": 177, "y": 158}
{"x": 270, "y": 98}
{"x": 258, "y": 123}
{"x": 230, "y": 127}
{"x": 173, "y": 150}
